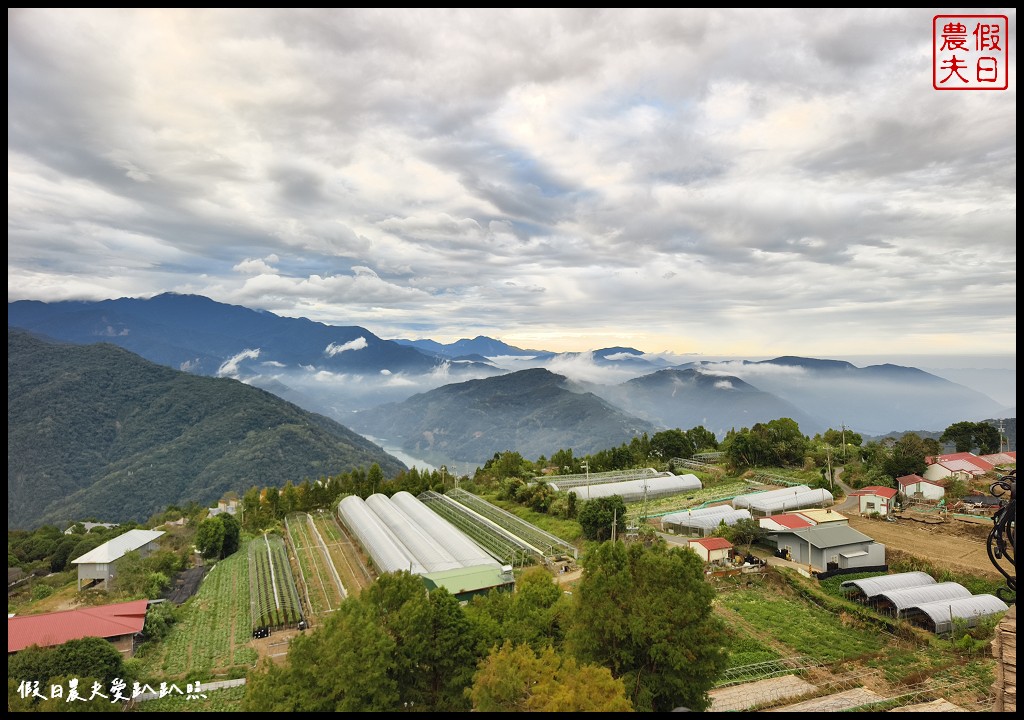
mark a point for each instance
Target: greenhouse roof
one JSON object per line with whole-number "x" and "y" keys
{"x": 874, "y": 585}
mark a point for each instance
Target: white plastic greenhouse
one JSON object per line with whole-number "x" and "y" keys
{"x": 938, "y": 615}
{"x": 897, "y": 601}
{"x": 377, "y": 541}
{"x": 868, "y": 588}
{"x": 636, "y": 490}
{"x": 426, "y": 550}
{"x": 683, "y": 516}
{"x": 703, "y": 521}
{"x": 401, "y": 533}
{"x": 743, "y": 501}
{"x": 788, "y": 503}
{"x": 466, "y": 552}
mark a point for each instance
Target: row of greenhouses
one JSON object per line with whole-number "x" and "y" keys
{"x": 917, "y": 597}
{"x": 401, "y": 533}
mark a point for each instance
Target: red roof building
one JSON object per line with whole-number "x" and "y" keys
{"x": 711, "y": 549}
{"x": 119, "y": 623}
{"x": 786, "y": 521}
{"x": 916, "y": 487}
{"x": 875, "y": 499}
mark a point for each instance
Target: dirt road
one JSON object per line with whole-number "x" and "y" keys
{"x": 935, "y": 544}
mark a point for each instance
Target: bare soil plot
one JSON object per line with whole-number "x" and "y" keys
{"x": 933, "y": 706}
{"x": 946, "y": 545}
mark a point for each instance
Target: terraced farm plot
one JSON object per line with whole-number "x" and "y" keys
{"x": 320, "y": 582}
{"x": 344, "y": 553}
{"x": 214, "y": 633}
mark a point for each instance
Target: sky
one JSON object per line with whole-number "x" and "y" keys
{"x": 720, "y": 182}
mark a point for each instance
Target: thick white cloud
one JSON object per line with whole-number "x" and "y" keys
{"x": 229, "y": 368}
{"x": 334, "y": 349}
{"x": 734, "y": 181}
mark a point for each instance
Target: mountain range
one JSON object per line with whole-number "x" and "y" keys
{"x": 97, "y": 431}
{"x": 362, "y": 380}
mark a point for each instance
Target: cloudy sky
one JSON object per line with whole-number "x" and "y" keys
{"x": 747, "y": 182}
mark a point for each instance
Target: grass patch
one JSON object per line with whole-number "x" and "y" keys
{"x": 568, "y": 530}
{"x": 807, "y": 629}
{"x": 744, "y": 649}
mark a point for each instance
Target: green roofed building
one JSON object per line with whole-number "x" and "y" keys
{"x": 468, "y": 582}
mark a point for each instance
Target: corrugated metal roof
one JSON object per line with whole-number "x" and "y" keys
{"x": 102, "y": 621}
{"x": 829, "y": 536}
{"x": 817, "y": 516}
{"x": 942, "y": 612}
{"x": 467, "y": 579}
{"x": 117, "y": 548}
{"x": 878, "y": 490}
{"x": 906, "y": 597}
{"x": 874, "y": 585}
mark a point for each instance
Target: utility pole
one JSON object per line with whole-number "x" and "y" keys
{"x": 586, "y": 466}
{"x": 828, "y": 455}
{"x": 615, "y": 521}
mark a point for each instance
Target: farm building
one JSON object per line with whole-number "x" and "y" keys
{"x": 791, "y": 521}
{"x": 712, "y": 549}
{"x": 703, "y": 521}
{"x": 788, "y": 502}
{"x": 896, "y": 601}
{"x": 98, "y": 567}
{"x": 1001, "y": 459}
{"x": 401, "y": 533}
{"x": 874, "y": 499}
{"x": 962, "y": 466}
{"x": 839, "y": 546}
{"x": 467, "y": 583}
{"x": 938, "y": 615}
{"x": 639, "y": 488}
{"x": 120, "y": 623}
{"x": 743, "y": 501}
{"x": 868, "y": 588}
{"x": 917, "y": 488}
{"x": 819, "y": 516}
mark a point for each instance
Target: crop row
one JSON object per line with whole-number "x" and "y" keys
{"x": 275, "y": 600}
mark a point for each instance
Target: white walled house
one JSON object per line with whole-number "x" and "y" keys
{"x": 100, "y": 563}
{"x": 712, "y": 549}
{"x": 875, "y": 499}
{"x": 915, "y": 487}
{"x": 961, "y": 466}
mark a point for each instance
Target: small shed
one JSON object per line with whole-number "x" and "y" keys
{"x": 916, "y": 487}
{"x": 875, "y": 499}
{"x": 465, "y": 583}
{"x": 789, "y": 521}
{"x": 712, "y": 549}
